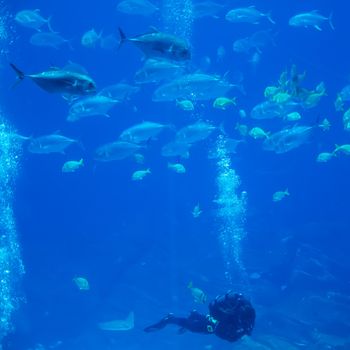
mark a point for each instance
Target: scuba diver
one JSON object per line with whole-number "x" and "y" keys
{"x": 231, "y": 316}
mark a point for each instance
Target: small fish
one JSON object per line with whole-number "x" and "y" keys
{"x": 325, "y": 125}
{"x": 49, "y": 39}
{"x": 177, "y": 167}
{"x": 224, "y": 102}
{"x": 119, "y": 325}
{"x": 242, "y": 129}
{"x": 324, "y": 157}
{"x": 82, "y": 283}
{"x": 139, "y": 158}
{"x": 60, "y": 81}
{"x": 292, "y": 117}
{"x": 72, "y": 166}
{"x": 198, "y": 295}
{"x": 196, "y": 212}
{"x": 185, "y": 105}
{"x": 32, "y": 19}
{"x": 91, "y": 38}
{"x": 312, "y": 19}
{"x": 258, "y": 133}
{"x": 140, "y": 174}
{"x": 279, "y": 195}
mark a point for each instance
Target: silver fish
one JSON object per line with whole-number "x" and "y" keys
{"x": 60, "y": 81}
{"x": 48, "y": 39}
{"x": 137, "y": 7}
{"x": 287, "y": 139}
{"x": 311, "y": 19}
{"x": 157, "y": 70}
{"x": 91, "y": 106}
{"x": 195, "y": 132}
{"x": 116, "y": 151}
{"x": 32, "y": 19}
{"x": 159, "y": 44}
{"x": 90, "y": 38}
{"x": 176, "y": 149}
{"x": 119, "y": 91}
{"x": 53, "y": 143}
{"x": 195, "y": 87}
{"x": 247, "y": 15}
{"x": 142, "y": 132}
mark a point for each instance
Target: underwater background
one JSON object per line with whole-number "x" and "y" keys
{"x": 137, "y": 243}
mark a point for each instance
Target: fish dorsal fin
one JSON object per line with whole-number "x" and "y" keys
{"x": 37, "y": 11}
{"x": 315, "y": 11}
{"x": 251, "y": 7}
{"x": 154, "y": 29}
{"x": 75, "y": 68}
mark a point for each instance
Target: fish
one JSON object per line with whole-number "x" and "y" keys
{"x": 194, "y": 87}
{"x": 91, "y": 106}
{"x": 195, "y": 132}
{"x": 258, "y": 133}
{"x": 279, "y": 195}
{"x": 177, "y": 168}
{"x": 157, "y": 70}
{"x": 72, "y": 166}
{"x": 224, "y": 102}
{"x": 287, "y": 139}
{"x": 247, "y": 15}
{"x": 60, "y": 81}
{"x": 270, "y": 109}
{"x": 49, "y": 39}
{"x": 32, "y": 19}
{"x": 198, "y": 295}
{"x": 117, "y": 150}
{"x": 160, "y": 45}
{"x": 82, "y": 283}
{"x": 90, "y": 38}
{"x": 142, "y": 132}
{"x": 119, "y": 325}
{"x": 137, "y": 7}
{"x": 196, "y": 212}
{"x": 176, "y": 149}
{"x": 185, "y": 105}
{"x": 324, "y": 157}
{"x": 120, "y": 91}
{"x": 53, "y": 143}
{"x": 206, "y": 9}
{"x": 312, "y": 19}
{"x": 139, "y": 175}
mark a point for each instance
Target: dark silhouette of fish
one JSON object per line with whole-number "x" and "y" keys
{"x": 58, "y": 80}
{"x": 159, "y": 44}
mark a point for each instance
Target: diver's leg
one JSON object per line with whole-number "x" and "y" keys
{"x": 169, "y": 319}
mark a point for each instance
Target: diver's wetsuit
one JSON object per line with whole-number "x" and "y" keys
{"x": 231, "y": 316}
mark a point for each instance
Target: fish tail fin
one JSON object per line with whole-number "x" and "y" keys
{"x": 49, "y": 24}
{"x": 330, "y": 21}
{"x": 122, "y": 37}
{"x": 20, "y": 75}
{"x": 287, "y": 192}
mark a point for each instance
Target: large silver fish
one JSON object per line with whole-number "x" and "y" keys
{"x": 54, "y": 143}
{"x": 194, "y": 87}
{"x": 116, "y": 151}
{"x": 287, "y": 139}
{"x": 159, "y": 44}
{"x": 60, "y": 81}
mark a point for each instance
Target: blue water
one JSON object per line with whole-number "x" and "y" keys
{"x": 137, "y": 243}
